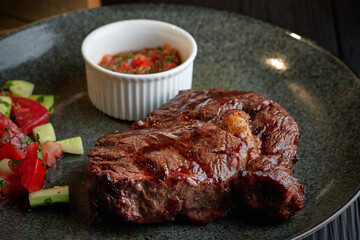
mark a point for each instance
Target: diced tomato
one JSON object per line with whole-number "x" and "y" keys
{"x": 11, "y": 185}
{"x": 126, "y": 66}
{"x": 166, "y": 46}
{"x": 53, "y": 150}
{"x": 10, "y": 132}
{"x": 168, "y": 66}
{"x": 14, "y": 166}
{"x": 33, "y": 168}
{"x": 141, "y": 61}
{"x": 10, "y": 151}
{"x": 29, "y": 113}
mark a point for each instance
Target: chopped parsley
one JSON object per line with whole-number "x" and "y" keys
{"x": 46, "y": 175}
{"x": 28, "y": 140}
{"x": 48, "y": 200}
{"x": 40, "y": 148}
{"x": 119, "y": 59}
{"x": 131, "y": 55}
{"x": 40, "y": 99}
{"x": 2, "y": 182}
{"x": 39, "y": 156}
{"x": 15, "y": 161}
{"x": 7, "y": 85}
{"x": 11, "y": 135}
{"x": 159, "y": 49}
{"x": 5, "y": 103}
{"x": 166, "y": 60}
{"x": 23, "y": 143}
{"x": 37, "y": 137}
{"x": 44, "y": 163}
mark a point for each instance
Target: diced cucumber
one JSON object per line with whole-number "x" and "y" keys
{"x": 4, "y": 166}
{"x": 44, "y": 197}
{"x": 45, "y": 100}
{"x": 44, "y": 133}
{"x": 5, "y": 105}
{"x": 72, "y": 145}
{"x": 19, "y": 88}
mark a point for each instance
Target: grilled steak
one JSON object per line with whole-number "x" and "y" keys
{"x": 198, "y": 156}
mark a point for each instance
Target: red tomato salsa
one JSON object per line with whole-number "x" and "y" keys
{"x": 145, "y": 61}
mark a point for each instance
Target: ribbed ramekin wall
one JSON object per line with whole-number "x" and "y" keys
{"x": 134, "y": 99}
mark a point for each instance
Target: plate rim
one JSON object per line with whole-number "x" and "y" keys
{"x": 329, "y": 219}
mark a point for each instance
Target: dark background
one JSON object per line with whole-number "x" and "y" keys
{"x": 332, "y": 24}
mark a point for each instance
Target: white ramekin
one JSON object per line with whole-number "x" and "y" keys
{"x": 134, "y": 96}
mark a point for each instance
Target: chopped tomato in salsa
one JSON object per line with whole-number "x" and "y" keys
{"x": 145, "y": 61}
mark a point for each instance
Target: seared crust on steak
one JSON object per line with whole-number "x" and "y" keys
{"x": 198, "y": 156}
{"x": 150, "y": 175}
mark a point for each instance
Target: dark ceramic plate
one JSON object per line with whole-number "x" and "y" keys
{"x": 234, "y": 52}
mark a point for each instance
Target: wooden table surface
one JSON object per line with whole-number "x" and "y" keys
{"x": 332, "y": 24}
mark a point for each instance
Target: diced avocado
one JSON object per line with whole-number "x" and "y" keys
{"x": 45, "y": 100}
{"x": 44, "y": 197}
{"x": 4, "y": 166}
{"x": 44, "y": 133}
{"x": 19, "y": 88}
{"x": 5, "y": 105}
{"x": 72, "y": 145}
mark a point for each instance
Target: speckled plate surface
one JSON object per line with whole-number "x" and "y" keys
{"x": 234, "y": 52}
